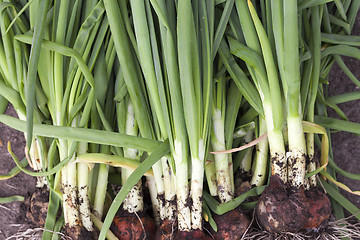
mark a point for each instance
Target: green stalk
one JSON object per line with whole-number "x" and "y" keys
{"x": 69, "y": 185}
{"x": 100, "y": 192}
{"x": 169, "y": 185}
{"x": 315, "y": 76}
{"x": 278, "y": 33}
{"x": 4, "y": 70}
{"x": 210, "y": 173}
{"x": 221, "y": 160}
{"x": 32, "y": 68}
{"x": 267, "y": 84}
{"x": 233, "y": 102}
{"x": 217, "y": 137}
{"x": 131, "y": 77}
{"x": 273, "y": 103}
{"x": 134, "y": 200}
{"x": 260, "y": 169}
{"x": 167, "y": 162}
{"x": 71, "y": 214}
{"x": 297, "y": 147}
{"x": 189, "y": 80}
{"x": 83, "y": 186}
{"x": 3, "y": 104}
{"x": 247, "y": 159}
{"x": 148, "y": 59}
{"x": 8, "y": 48}
{"x": 59, "y": 60}
{"x": 179, "y": 146}
{"x": 125, "y": 57}
{"x": 104, "y": 94}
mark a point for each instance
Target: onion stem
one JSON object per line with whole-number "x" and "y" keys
{"x": 261, "y": 157}
{"x": 247, "y": 159}
{"x": 297, "y": 147}
{"x": 221, "y": 160}
{"x": 134, "y": 200}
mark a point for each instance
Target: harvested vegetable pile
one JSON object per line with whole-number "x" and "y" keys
{"x": 178, "y": 119}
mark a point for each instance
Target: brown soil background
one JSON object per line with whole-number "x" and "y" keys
{"x": 346, "y": 148}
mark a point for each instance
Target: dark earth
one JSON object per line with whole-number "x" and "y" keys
{"x": 346, "y": 150}
{"x": 346, "y": 145}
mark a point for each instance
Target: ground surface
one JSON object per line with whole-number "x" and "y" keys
{"x": 11, "y": 214}
{"x": 345, "y": 146}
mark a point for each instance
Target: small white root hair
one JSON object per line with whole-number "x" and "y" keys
{"x": 33, "y": 234}
{"x": 344, "y": 228}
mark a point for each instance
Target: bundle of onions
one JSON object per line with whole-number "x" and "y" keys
{"x": 67, "y": 105}
{"x": 65, "y": 95}
{"x": 173, "y": 120}
{"x": 284, "y": 198}
{"x": 265, "y": 77}
{"x": 156, "y": 72}
{"x": 280, "y": 203}
{"x": 132, "y": 83}
{"x": 15, "y": 70}
{"x": 291, "y": 202}
{"x": 178, "y": 74}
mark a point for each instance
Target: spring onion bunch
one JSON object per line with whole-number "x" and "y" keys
{"x": 64, "y": 88}
{"x": 275, "y": 43}
{"x": 112, "y": 91}
{"x": 179, "y": 98}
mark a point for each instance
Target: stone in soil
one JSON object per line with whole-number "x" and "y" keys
{"x": 132, "y": 227}
{"x": 319, "y": 207}
{"x": 280, "y": 209}
{"x": 230, "y": 225}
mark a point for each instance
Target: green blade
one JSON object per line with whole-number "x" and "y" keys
{"x": 84, "y": 135}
